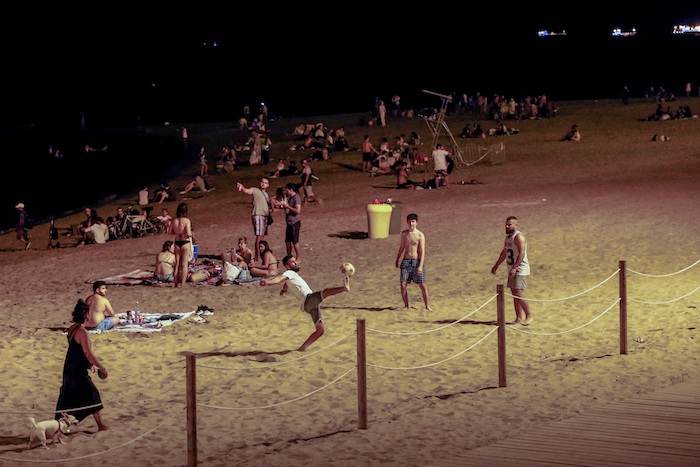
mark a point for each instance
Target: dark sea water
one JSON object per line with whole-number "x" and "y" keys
{"x": 212, "y": 86}
{"x": 125, "y": 162}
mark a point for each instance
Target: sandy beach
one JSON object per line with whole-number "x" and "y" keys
{"x": 432, "y": 376}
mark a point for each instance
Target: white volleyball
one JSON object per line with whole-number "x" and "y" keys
{"x": 347, "y": 269}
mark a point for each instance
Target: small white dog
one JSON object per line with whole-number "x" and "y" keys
{"x": 50, "y": 429}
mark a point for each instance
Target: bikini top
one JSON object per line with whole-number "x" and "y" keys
{"x": 171, "y": 262}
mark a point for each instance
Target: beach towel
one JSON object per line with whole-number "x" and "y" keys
{"x": 152, "y": 322}
{"x": 207, "y": 274}
{"x": 145, "y": 277}
{"x": 135, "y": 277}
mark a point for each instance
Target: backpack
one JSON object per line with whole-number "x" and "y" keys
{"x": 28, "y": 222}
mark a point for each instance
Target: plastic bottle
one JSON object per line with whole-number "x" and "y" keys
{"x": 137, "y": 313}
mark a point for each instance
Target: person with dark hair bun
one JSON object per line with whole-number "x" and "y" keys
{"x": 78, "y": 391}
{"x": 165, "y": 263}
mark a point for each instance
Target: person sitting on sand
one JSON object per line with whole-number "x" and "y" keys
{"x": 165, "y": 218}
{"x": 291, "y": 169}
{"x": 241, "y": 257}
{"x": 98, "y": 232}
{"x": 383, "y": 164}
{"x": 573, "y": 134}
{"x": 402, "y": 180}
{"x": 268, "y": 268}
{"x": 164, "y": 193}
{"x": 280, "y": 168}
{"x": 102, "y": 316}
{"x": 197, "y": 182}
{"x": 91, "y": 215}
{"x": 165, "y": 263}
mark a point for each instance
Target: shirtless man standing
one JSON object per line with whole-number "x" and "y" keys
{"x": 102, "y": 316}
{"x": 368, "y": 153}
{"x": 412, "y": 265}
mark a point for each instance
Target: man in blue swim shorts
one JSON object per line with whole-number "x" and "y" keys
{"x": 101, "y": 316}
{"x": 106, "y": 324}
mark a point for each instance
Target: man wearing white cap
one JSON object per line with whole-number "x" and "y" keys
{"x": 22, "y": 231}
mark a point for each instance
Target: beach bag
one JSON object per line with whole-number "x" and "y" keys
{"x": 231, "y": 271}
{"x": 199, "y": 276}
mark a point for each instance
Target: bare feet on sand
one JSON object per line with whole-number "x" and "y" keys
{"x": 527, "y": 321}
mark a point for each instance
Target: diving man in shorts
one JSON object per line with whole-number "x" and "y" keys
{"x": 311, "y": 301}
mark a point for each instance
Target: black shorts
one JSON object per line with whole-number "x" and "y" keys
{"x": 291, "y": 234}
{"x": 367, "y": 157}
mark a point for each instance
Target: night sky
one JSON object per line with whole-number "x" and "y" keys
{"x": 160, "y": 62}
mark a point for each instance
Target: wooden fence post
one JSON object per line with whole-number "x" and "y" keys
{"x": 501, "y": 313}
{"x": 361, "y": 375}
{"x": 191, "y": 381}
{"x": 623, "y": 307}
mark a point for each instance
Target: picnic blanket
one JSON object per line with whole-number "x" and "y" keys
{"x": 152, "y": 322}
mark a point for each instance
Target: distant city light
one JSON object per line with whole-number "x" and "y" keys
{"x": 617, "y": 32}
{"x": 546, "y": 33}
{"x": 686, "y": 29}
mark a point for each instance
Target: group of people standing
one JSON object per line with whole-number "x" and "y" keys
{"x": 411, "y": 260}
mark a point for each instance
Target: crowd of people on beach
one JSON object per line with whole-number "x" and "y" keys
{"x": 254, "y": 261}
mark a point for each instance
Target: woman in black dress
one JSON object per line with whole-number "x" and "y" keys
{"x": 78, "y": 391}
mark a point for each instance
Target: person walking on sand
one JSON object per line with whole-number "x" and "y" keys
{"x": 515, "y": 254}
{"x": 311, "y": 301}
{"x": 412, "y": 264}
{"x": 22, "y": 226}
{"x": 77, "y": 389}
{"x": 261, "y": 209}
{"x": 306, "y": 190}
{"x": 181, "y": 227}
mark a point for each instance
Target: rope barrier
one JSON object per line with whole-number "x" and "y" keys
{"x": 667, "y": 301}
{"x": 665, "y": 275}
{"x": 436, "y": 329}
{"x": 565, "y": 298}
{"x": 271, "y": 365}
{"x": 436, "y": 363}
{"x": 280, "y": 403}
{"x": 57, "y": 411}
{"x": 567, "y": 331}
